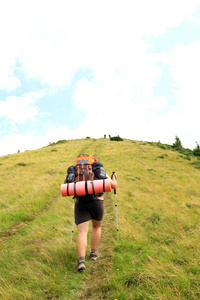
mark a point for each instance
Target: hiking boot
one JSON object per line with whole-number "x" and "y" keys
{"x": 94, "y": 255}
{"x": 81, "y": 266}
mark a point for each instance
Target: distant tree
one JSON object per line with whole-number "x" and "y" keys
{"x": 116, "y": 138}
{"x": 196, "y": 151}
{"x": 177, "y": 145}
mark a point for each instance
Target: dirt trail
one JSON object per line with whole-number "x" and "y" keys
{"x": 96, "y": 283}
{"x": 6, "y": 234}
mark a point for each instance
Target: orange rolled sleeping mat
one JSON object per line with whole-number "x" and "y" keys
{"x": 82, "y": 188}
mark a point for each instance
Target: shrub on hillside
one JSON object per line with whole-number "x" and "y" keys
{"x": 177, "y": 144}
{"x": 162, "y": 146}
{"x": 58, "y": 142}
{"x": 116, "y": 138}
{"x": 186, "y": 151}
{"x": 61, "y": 142}
{"x": 196, "y": 164}
{"x": 196, "y": 151}
{"x": 21, "y": 164}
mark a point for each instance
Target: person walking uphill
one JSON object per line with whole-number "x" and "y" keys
{"x": 88, "y": 207}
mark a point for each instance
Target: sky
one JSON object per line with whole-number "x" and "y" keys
{"x": 73, "y": 69}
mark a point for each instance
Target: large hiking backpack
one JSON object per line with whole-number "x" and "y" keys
{"x": 87, "y": 168}
{"x": 84, "y": 166}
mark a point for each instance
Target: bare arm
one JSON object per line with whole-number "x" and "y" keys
{"x": 113, "y": 181}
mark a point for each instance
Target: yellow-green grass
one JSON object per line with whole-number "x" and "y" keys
{"x": 158, "y": 202}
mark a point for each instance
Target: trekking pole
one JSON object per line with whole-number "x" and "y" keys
{"x": 72, "y": 232}
{"x": 116, "y": 209}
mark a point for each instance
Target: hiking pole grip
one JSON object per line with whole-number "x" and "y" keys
{"x": 112, "y": 178}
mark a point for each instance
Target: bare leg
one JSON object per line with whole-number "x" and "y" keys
{"x": 81, "y": 240}
{"x": 96, "y": 234}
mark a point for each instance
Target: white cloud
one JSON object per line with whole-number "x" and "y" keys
{"x": 9, "y": 82}
{"x": 184, "y": 64}
{"x": 121, "y": 110}
{"x": 181, "y": 117}
{"x": 53, "y": 43}
{"x": 7, "y": 62}
{"x": 16, "y": 141}
{"x": 28, "y": 141}
{"x": 51, "y": 40}
{"x": 20, "y": 109}
{"x": 125, "y": 107}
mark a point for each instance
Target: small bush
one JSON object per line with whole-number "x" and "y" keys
{"x": 196, "y": 151}
{"x": 188, "y": 157}
{"x": 196, "y": 164}
{"x": 61, "y": 142}
{"x": 186, "y": 151}
{"x": 192, "y": 205}
{"x": 116, "y": 138}
{"x": 58, "y": 142}
{"x": 22, "y": 164}
{"x": 162, "y": 146}
{"x": 177, "y": 144}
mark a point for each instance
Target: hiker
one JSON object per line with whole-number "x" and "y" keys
{"x": 89, "y": 207}
{"x": 86, "y": 209}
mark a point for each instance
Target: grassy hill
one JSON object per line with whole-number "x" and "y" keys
{"x": 158, "y": 197}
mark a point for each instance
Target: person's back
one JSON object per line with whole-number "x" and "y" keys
{"x": 88, "y": 207}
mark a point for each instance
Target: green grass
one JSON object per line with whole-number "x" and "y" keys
{"x": 157, "y": 256}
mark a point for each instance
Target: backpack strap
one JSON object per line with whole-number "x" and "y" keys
{"x": 93, "y": 187}
{"x": 90, "y": 172}
{"x": 86, "y": 189}
{"x": 104, "y": 185}
{"x": 75, "y": 189}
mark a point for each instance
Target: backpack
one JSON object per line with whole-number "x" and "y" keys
{"x": 87, "y": 168}
{"x": 84, "y": 167}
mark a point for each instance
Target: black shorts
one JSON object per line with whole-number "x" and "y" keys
{"x": 87, "y": 208}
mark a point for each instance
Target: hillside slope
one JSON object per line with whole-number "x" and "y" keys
{"x": 158, "y": 199}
